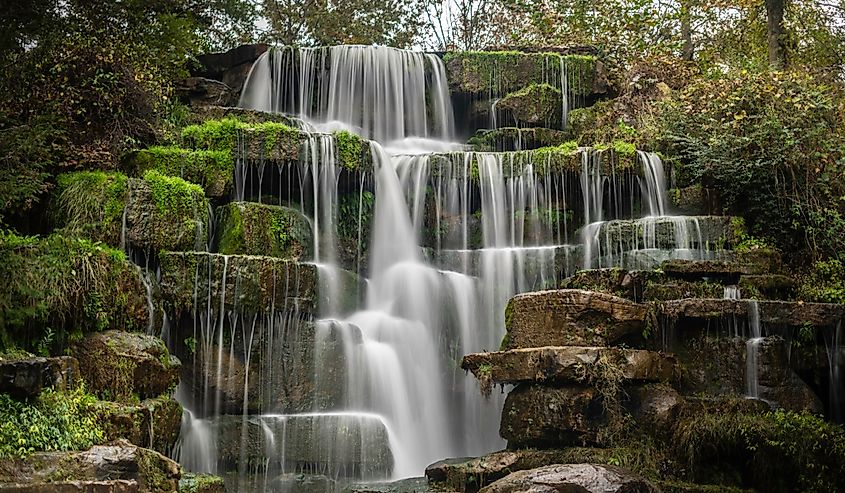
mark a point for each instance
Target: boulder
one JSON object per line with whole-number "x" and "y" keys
{"x": 541, "y": 416}
{"x": 471, "y": 474}
{"x": 231, "y": 67}
{"x": 571, "y": 317}
{"x": 410, "y": 485}
{"x": 615, "y": 281}
{"x": 653, "y": 406}
{"x": 568, "y": 364}
{"x": 153, "y": 423}
{"x": 122, "y": 366}
{"x": 120, "y": 460}
{"x": 778, "y": 383}
{"x": 166, "y": 213}
{"x": 199, "y": 91}
{"x": 534, "y": 105}
{"x": 572, "y": 478}
{"x": 26, "y": 378}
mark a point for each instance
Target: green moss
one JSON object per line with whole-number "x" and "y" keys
{"x": 58, "y": 288}
{"x": 201, "y": 483}
{"x": 180, "y": 214}
{"x": 349, "y": 149}
{"x": 216, "y": 135}
{"x": 506, "y": 138}
{"x": 263, "y": 140}
{"x": 212, "y": 169}
{"x": 56, "y": 421}
{"x": 90, "y": 204}
{"x": 257, "y": 229}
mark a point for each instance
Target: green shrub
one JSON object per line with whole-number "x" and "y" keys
{"x": 213, "y": 170}
{"x": 56, "y": 421}
{"x": 91, "y": 204}
{"x": 825, "y": 283}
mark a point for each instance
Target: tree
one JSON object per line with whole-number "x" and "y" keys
{"x": 776, "y": 34}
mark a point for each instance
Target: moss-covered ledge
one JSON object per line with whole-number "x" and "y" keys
{"x": 509, "y": 71}
{"x": 212, "y": 169}
{"x": 194, "y": 281}
{"x": 513, "y": 139}
{"x": 249, "y": 228}
{"x": 534, "y": 104}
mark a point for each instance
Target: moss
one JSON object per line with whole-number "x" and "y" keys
{"x": 508, "y": 71}
{"x": 58, "y": 288}
{"x": 511, "y": 138}
{"x": 257, "y": 229}
{"x": 535, "y": 103}
{"x": 212, "y": 169}
{"x": 90, "y": 204}
{"x": 179, "y": 215}
{"x": 349, "y": 149}
{"x": 201, "y": 483}
{"x": 263, "y": 140}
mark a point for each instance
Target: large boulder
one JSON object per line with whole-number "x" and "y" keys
{"x": 199, "y": 91}
{"x": 150, "y": 471}
{"x": 534, "y": 105}
{"x": 26, "y": 378}
{"x": 778, "y": 383}
{"x": 571, "y": 317}
{"x": 248, "y": 228}
{"x": 572, "y": 478}
{"x": 471, "y": 474}
{"x": 125, "y": 366}
{"x": 201, "y": 483}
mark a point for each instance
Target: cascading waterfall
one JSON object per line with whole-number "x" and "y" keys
{"x": 835, "y": 363}
{"x": 453, "y": 236}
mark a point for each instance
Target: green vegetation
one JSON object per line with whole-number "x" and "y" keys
{"x": 533, "y": 104}
{"x": 58, "y": 288}
{"x": 212, "y": 169}
{"x": 349, "y": 150}
{"x": 825, "y": 282}
{"x": 55, "y": 421}
{"x": 90, "y": 204}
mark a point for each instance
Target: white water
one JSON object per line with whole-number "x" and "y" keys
{"x": 752, "y": 351}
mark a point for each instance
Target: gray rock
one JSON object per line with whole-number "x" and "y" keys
{"x": 112, "y": 486}
{"x": 199, "y": 91}
{"x": 26, "y": 378}
{"x": 572, "y": 478}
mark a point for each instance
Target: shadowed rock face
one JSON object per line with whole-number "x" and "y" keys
{"x": 570, "y": 317}
{"x": 572, "y": 478}
{"x": 567, "y": 364}
{"x": 794, "y": 314}
{"x": 26, "y": 378}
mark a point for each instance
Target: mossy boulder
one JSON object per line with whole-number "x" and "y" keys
{"x": 125, "y": 366}
{"x": 268, "y": 141}
{"x": 153, "y": 423}
{"x": 69, "y": 285}
{"x": 25, "y": 378}
{"x": 534, "y": 105}
{"x": 574, "y": 478}
{"x": 166, "y": 213}
{"x": 213, "y": 170}
{"x": 147, "y": 470}
{"x": 571, "y": 317}
{"x": 249, "y": 228}
{"x": 201, "y": 483}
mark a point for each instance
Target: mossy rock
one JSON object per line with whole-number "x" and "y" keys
{"x": 201, "y": 483}
{"x": 516, "y": 139}
{"x": 153, "y": 423}
{"x": 535, "y": 104}
{"x": 212, "y": 170}
{"x": 166, "y": 213}
{"x": 126, "y": 367}
{"x": 249, "y": 228}
{"x": 58, "y": 288}
{"x": 253, "y": 284}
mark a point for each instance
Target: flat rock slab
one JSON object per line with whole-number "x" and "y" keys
{"x": 792, "y": 313}
{"x": 571, "y": 317}
{"x": 410, "y": 485}
{"x": 115, "y": 486}
{"x": 572, "y": 478}
{"x": 26, "y": 378}
{"x": 541, "y": 416}
{"x": 569, "y": 364}
{"x": 470, "y": 474}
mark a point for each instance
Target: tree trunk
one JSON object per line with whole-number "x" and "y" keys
{"x": 777, "y": 35}
{"x": 686, "y": 31}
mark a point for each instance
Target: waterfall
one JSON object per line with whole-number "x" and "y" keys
{"x": 655, "y": 183}
{"x": 375, "y": 91}
{"x": 752, "y": 348}
{"x": 835, "y": 363}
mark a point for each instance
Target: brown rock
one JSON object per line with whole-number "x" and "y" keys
{"x": 26, "y": 378}
{"x": 572, "y": 478}
{"x": 570, "y": 317}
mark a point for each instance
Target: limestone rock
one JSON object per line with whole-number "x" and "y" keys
{"x": 570, "y": 364}
{"x": 794, "y": 314}
{"x": 572, "y": 478}
{"x": 471, "y": 474}
{"x": 201, "y": 483}
{"x": 120, "y": 365}
{"x": 109, "y": 486}
{"x": 778, "y": 383}
{"x": 410, "y": 485}
{"x": 615, "y": 281}
{"x": 536, "y": 104}
{"x": 179, "y": 226}
{"x": 120, "y": 460}
{"x": 26, "y": 378}
{"x": 231, "y": 67}
{"x": 653, "y": 406}
{"x": 571, "y": 317}
{"x": 540, "y": 416}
